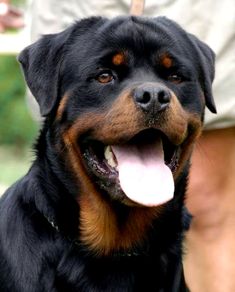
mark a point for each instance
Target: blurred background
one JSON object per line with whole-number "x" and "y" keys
{"x": 17, "y": 127}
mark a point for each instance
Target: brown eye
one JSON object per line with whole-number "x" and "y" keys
{"x": 105, "y": 77}
{"x": 174, "y": 78}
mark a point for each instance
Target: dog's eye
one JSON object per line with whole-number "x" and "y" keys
{"x": 175, "y": 78}
{"x": 105, "y": 77}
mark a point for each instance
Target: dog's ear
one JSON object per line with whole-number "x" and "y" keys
{"x": 41, "y": 63}
{"x": 207, "y": 70}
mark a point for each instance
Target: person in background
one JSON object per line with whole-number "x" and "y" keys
{"x": 210, "y": 243}
{"x": 10, "y": 17}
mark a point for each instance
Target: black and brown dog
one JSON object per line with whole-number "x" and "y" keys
{"x": 101, "y": 208}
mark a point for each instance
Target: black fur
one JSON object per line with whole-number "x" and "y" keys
{"x": 40, "y": 247}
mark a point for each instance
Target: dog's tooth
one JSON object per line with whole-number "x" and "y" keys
{"x": 108, "y": 154}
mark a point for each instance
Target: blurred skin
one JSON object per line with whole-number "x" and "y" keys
{"x": 10, "y": 17}
{"x": 210, "y": 245}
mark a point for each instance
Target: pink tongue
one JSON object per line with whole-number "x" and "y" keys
{"x": 143, "y": 175}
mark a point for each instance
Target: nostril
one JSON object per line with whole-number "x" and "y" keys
{"x": 146, "y": 97}
{"x": 163, "y": 97}
{"x": 142, "y": 97}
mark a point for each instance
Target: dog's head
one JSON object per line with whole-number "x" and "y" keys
{"x": 127, "y": 98}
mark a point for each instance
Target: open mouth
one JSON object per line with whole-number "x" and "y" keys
{"x": 141, "y": 169}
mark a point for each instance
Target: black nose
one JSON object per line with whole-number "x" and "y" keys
{"x": 152, "y": 98}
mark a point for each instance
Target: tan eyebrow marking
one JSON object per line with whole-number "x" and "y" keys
{"x": 166, "y": 61}
{"x": 119, "y": 59}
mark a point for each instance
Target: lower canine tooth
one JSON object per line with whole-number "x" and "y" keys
{"x": 108, "y": 154}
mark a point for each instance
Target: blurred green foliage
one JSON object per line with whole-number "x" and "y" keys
{"x": 18, "y": 2}
{"x": 16, "y": 124}
{"x": 17, "y": 128}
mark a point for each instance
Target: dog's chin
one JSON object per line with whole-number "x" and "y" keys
{"x": 104, "y": 163}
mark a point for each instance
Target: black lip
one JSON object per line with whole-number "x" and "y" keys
{"x": 105, "y": 176}
{"x": 171, "y": 153}
{"x": 94, "y": 156}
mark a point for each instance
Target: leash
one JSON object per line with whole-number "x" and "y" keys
{"x": 137, "y": 7}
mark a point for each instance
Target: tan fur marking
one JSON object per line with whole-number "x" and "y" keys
{"x": 119, "y": 59}
{"x": 99, "y": 222}
{"x": 181, "y": 126}
{"x": 166, "y": 61}
{"x": 194, "y": 132}
{"x": 100, "y": 228}
{"x": 61, "y": 106}
{"x": 175, "y": 122}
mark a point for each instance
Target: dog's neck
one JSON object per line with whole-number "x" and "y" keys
{"x": 106, "y": 229}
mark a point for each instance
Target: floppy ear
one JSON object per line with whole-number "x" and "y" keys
{"x": 207, "y": 65}
{"x": 41, "y": 63}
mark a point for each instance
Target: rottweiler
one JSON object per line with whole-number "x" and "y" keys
{"x": 102, "y": 206}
